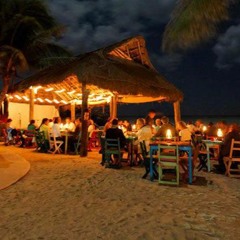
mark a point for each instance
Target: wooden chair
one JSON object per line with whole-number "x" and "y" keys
{"x": 55, "y": 145}
{"x": 146, "y": 161}
{"x": 168, "y": 158}
{"x": 234, "y": 157}
{"x": 112, "y": 149}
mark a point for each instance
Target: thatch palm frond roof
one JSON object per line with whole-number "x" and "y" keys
{"x": 123, "y": 68}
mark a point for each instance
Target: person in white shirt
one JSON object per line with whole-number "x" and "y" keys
{"x": 56, "y": 128}
{"x": 69, "y": 125}
{"x": 184, "y": 132}
{"x": 144, "y": 132}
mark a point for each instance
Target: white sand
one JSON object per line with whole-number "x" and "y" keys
{"x": 68, "y": 197}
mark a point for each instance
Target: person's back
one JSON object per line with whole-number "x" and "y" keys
{"x": 114, "y": 133}
{"x": 166, "y": 126}
{"x": 31, "y": 126}
{"x": 226, "y": 146}
{"x": 184, "y": 132}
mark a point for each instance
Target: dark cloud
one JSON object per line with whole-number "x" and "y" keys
{"x": 167, "y": 62}
{"x": 227, "y": 48}
{"x": 94, "y": 24}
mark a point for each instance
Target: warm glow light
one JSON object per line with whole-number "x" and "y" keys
{"x": 48, "y": 100}
{"x": 98, "y": 98}
{"x": 219, "y": 132}
{"x": 73, "y": 91}
{"x": 40, "y": 100}
{"x": 55, "y": 100}
{"x": 108, "y": 99}
{"x": 204, "y": 128}
{"x": 79, "y": 94}
{"x": 10, "y": 97}
{"x": 18, "y": 97}
{"x": 35, "y": 89}
{"x": 49, "y": 89}
{"x": 61, "y": 125}
{"x": 168, "y": 134}
{"x": 133, "y": 127}
{"x": 25, "y": 98}
{"x": 60, "y": 91}
{"x": 62, "y": 101}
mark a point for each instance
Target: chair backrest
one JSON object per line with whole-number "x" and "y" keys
{"x": 168, "y": 153}
{"x": 112, "y": 144}
{"x": 235, "y": 149}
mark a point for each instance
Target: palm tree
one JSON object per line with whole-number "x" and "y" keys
{"x": 193, "y": 22}
{"x": 27, "y": 32}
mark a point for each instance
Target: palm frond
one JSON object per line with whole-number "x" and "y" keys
{"x": 194, "y": 21}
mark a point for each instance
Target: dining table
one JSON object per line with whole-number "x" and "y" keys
{"x": 184, "y": 146}
{"x": 211, "y": 144}
{"x": 131, "y": 137}
{"x": 66, "y": 134}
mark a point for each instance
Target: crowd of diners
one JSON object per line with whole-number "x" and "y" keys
{"x": 51, "y": 128}
{"x": 151, "y": 128}
{"x": 145, "y": 129}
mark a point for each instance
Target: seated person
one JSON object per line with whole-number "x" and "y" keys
{"x": 115, "y": 133}
{"x": 69, "y": 125}
{"x": 45, "y": 129}
{"x": 162, "y": 132}
{"x": 91, "y": 127}
{"x": 184, "y": 133}
{"x": 233, "y": 133}
{"x": 158, "y": 125}
{"x": 72, "y": 140}
{"x": 9, "y": 132}
{"x": 31, "y": 126}
{"x": 144, "y": 133}
{"x": 107, "y": 125}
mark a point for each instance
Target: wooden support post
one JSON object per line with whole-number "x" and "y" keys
{"x": 113, "y": 106}
{"x": 73, "y": 111}
{"x": 177, "y": 112}
{"x": 31, "y": 104}
{"x": 85, "y": 118}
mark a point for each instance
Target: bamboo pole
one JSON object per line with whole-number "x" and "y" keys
{"x": 177, "y": 112}
{"x": 31, "y": 104}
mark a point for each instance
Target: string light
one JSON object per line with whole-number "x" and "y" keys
{"x": 60, "y": 91}
{"x": 49, "y": 89}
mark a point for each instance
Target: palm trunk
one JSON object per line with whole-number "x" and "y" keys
{"x": 85, "y": 118}
{"x": 6, "y": 82}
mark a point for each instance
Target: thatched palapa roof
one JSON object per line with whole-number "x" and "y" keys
{"x": 123, "y": 68}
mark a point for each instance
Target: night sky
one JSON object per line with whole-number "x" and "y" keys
{"x": 208, "y": 75}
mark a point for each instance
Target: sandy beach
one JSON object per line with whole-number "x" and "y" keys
{"x": 68, "y": 197}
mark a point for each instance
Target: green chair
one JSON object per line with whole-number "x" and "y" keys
{"x": 112, "y": 148}
{"x": 168, "y": 161}
{"x": 42, "y": 143}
